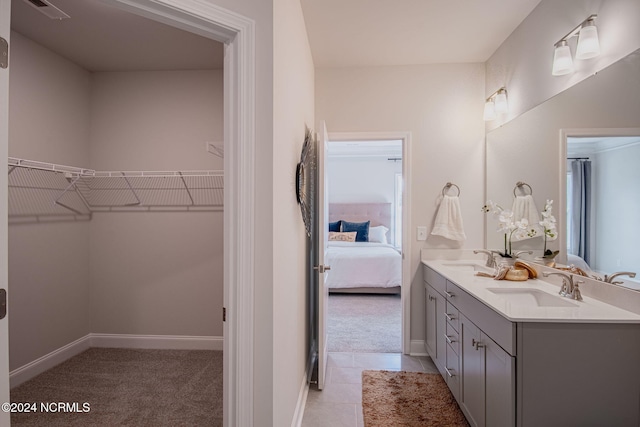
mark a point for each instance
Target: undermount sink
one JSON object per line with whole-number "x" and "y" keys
{"x": 531, "y": 297}
{"x": 468, "y": 266}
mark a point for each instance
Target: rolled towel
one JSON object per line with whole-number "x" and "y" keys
{"x": 525, "y": 207}
{"x": 448, "y": 221}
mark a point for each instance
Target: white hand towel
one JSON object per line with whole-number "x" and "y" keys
{"x": 448, "y": 221}
{"x": 525, "y": 207}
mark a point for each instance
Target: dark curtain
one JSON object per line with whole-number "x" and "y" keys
{"x": 581, "y": 216}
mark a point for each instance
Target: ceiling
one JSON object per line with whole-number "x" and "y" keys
{"x": 355, "y": 33}
{"x": 342, "y": 33}
{"x": 584, "y": 146}
{"x": 99, "y": 37}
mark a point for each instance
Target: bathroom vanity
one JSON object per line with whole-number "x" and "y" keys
{"x": 519, "y": 354}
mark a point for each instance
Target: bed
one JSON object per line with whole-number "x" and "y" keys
{"x": 363, "y": 267}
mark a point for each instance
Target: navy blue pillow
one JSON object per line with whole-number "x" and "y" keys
{"x": 362, "y": 229}
{"x": 334, "y": 226}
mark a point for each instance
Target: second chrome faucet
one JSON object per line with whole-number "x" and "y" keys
{"x": 569, "y": 289}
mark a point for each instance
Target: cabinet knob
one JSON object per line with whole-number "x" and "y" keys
{"x": 449, "y": 372}
{"x": 431, "y": 298}
{"x": 476, "y": 344}
{"x": 450, "y": 295}
{"x": 449, "y": 340}
{"x": 449, "y": 317}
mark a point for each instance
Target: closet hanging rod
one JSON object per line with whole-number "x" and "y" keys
{"x": 52, "y": 167}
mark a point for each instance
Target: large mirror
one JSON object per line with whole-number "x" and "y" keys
{"x": 592, "y": 129}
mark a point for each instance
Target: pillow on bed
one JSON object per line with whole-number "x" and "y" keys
{"x": 378, "y": 234}
{"x": 342, "y": 237}
{"x": 334, "y": 226}
{"x": 362, "y": 228}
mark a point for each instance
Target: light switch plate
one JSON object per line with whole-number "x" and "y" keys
{"x": 422, "y": 233}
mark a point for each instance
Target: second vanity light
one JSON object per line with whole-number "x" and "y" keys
{"x": 588, "y": 46}
{"x": 496, "y": 104}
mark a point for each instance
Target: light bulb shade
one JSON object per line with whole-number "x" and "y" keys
{"x": 562, "y": 62}
{"x": 501, "y": 104}
{"x": 588, "y": 43}
{"x": 489, "y": 111}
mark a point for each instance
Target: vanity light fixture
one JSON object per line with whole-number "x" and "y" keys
{"x": 496, "y": 104}
{"x": 588, "y": 46}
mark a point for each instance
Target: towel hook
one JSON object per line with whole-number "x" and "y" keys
{"x": 447, "y": 186}
{"x": 521, "y": 184}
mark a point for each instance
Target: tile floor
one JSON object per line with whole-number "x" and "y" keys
{"x": 340, "y": 403}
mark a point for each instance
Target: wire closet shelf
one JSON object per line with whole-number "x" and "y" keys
{"x": 45, "y": 189}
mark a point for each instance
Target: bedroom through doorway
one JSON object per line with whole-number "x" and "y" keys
{"x": 365, "y": 187}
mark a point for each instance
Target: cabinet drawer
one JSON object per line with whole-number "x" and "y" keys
{"x": 452, "y": 315}
{"x": 434, "y": 279}
{"x": 501, "y": 330}
{"x": 453, "y": 338}
{"x": 452, "y": 372}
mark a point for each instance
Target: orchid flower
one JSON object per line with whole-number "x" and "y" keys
{"x": 548, "y": 224}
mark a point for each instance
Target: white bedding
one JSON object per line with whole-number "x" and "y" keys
{"x": 363, "y": 264}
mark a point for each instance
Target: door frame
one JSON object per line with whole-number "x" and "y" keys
{"x": 237, "y": 32}
{"x": 5, "y": 13}
{"x": 405, "y": 293}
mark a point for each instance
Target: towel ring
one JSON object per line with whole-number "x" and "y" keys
{"x": 521, "y": 184}
{"x": 447, "y": 186}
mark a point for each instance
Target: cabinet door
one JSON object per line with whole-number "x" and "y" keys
{"x": 430, "y": 322}
{"x": 472, "y": 397}
{"x": 499, "y": 385}
{"x": 435, "y": 327}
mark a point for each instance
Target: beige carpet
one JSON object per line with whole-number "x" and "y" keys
{"x": 364, "y": 323}
{"x": 408, "y": 399}
{"x": 127, "y": 387}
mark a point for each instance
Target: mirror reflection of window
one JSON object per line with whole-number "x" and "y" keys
{"x": 603, "y": 231}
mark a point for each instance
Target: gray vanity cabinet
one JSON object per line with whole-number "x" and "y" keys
{"x": 435, "y": 327}
{"x": 435, "y": 322}
{"x": 478, "y": 371}
{"x": 488, "y": 379}
{"x": 566, "y": 373}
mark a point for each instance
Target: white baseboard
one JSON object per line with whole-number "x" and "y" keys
{"x": 304, "y": 392}
{"x": 417, "y": 348}
{"x": 302, "y": 401}
{"x": 160, "y": 342}
{"x": 48, "y": 361}
{"x": 163, "y": 342}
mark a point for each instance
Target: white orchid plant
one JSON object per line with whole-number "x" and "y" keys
{"x": 519, "y": 229}
{"x": 549, "y": 229}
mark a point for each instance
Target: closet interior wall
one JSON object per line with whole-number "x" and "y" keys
{"x": 142, "y": 273}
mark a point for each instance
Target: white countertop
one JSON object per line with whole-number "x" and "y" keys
{"x": 590, "y": 310}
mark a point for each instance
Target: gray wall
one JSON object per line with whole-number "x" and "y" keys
{"x": 441, "y": 105}
{"x": 48, "y": 263}
{"x": 160, "y": 272}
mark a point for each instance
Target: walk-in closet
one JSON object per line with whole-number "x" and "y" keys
{"x": 115, "y": 193}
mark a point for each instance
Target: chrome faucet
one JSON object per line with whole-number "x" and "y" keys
{"x": 491, "y": 261}
{"x": 609, "y": 278}
{"x": 569, "y": 289}
{"x": 516, "y": 254}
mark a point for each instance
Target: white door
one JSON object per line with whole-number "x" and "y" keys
{"x": 322, "y": 210}
{"x": 5, "y": 14}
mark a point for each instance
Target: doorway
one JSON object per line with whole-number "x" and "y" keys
{"x": 238, "y": 34}
{"x": 368, "y": 175}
